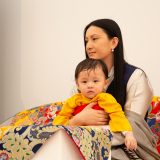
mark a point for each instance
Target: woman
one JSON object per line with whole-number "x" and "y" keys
{"x": 127, "y": 83}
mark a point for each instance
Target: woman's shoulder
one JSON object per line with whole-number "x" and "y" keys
{"x": 132, "y": 71}
{"x": 139, "y": 92}
{"x": 138, "y": 78}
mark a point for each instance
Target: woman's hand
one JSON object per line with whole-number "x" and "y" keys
{"x": 130, "y": 141}
{"x": 89, "y": 117}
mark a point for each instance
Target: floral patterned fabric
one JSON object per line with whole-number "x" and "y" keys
{"x": 39, "y": 115}
{"x": 153, "y": 119}
{"x": 30, "y": 129}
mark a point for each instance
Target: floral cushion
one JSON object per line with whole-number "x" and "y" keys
{"x": 39, "y": 119}
{"x": 30, "y": 129}
{"x": 153, "y": 119}
{"x": 39, "y": 115}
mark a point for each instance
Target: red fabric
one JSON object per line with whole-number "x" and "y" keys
{"x": 78, "y": 109}
{"x": 153, "y": 120}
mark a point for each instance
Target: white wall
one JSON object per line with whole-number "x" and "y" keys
{"x": 45, "y": 43}
{"x": 10, "y": 58}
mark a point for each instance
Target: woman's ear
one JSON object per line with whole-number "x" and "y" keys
{"x": 115, "y": 42}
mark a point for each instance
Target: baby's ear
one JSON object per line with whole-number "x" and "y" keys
{"x": 106, "y": 84}
{"x": 78, "y": 90}
{"x": 77, "y": 87}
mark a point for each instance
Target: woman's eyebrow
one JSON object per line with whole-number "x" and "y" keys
{"x": 91, "y": 36}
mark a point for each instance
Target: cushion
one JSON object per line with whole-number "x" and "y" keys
{"x": 30, "y": 129}
{"x": 44, "y": 115}
{"x": 153, "y": 119}
{"x": 39, "y": 115}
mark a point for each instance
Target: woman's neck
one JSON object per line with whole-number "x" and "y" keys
{"x": 109, "y": 62}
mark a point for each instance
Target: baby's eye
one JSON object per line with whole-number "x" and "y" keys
{"x": 95, "y": 81}
{"x": 84, "y": 82}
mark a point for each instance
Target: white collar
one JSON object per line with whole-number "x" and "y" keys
{"x": 110, "y": 76}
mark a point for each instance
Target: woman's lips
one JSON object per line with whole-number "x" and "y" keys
{"x": 91, "y": 54}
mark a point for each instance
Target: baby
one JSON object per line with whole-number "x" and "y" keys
{"x": 91, "y": 80}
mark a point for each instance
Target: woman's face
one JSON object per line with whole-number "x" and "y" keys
{"x": 98, "y": 45}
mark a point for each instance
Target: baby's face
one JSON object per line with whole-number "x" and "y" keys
{"x": 91, "y": 82}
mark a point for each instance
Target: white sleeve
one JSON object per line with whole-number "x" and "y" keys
{"x": 74, "y": 90}
{"x": 139, "y": 93}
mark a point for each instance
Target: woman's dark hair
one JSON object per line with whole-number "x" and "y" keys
{"x": 90, "y": 64}
{"x": 112, "y": 30}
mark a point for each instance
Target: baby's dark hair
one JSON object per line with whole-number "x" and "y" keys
{"x": 91, "y": 64}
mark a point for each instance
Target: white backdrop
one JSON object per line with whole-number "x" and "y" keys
{"x": 42, "y": 42}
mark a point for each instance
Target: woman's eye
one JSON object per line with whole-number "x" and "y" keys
{"x": 86, "y": 41}
{"x": 95, "y": 39}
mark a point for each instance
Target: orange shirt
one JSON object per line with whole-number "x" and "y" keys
{"x": 118, "y": 122}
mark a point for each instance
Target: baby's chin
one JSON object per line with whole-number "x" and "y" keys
{"x": 90, "y": 96}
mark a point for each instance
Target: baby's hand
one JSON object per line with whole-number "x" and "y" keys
{"x": 130, "y": 141}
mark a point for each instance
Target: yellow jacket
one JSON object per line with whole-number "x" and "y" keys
{"x": 118, "y": 122}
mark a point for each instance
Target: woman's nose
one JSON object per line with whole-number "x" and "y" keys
{"x": 89, "y": 46}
